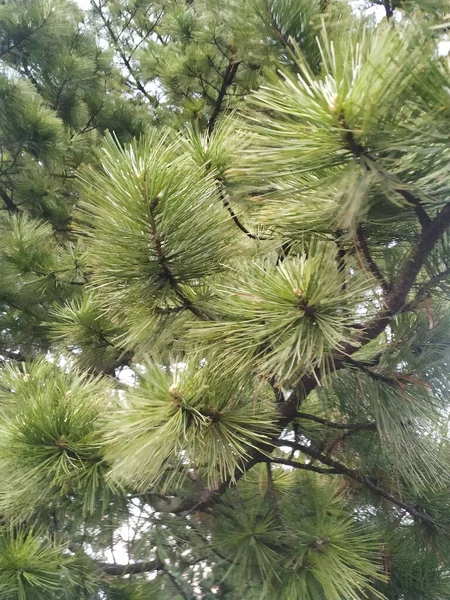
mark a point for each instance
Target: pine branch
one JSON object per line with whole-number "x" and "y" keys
{"x": 362, "y": 246}
{"x": 174, "y": 581}
{"x": 332, "y": 424}
{"x": 368, "y": 482}
{"x": 131, "y": 569}
{"x": 436, "y": 279}
{"x": 372, "y": 374}
{"x": 25, "y": 36}
{"x": 30, "y": 75}
{"x": 422, "y": 215}
{"x": 273, "y": 22}
{"x": 163, "y": 263}
{"x": 272, "y": 493}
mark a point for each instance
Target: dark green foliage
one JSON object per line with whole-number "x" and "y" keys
{"x": 224, "y": 313}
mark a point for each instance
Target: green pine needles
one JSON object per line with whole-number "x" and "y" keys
{"x": 162, "y": 243}
{"x": 187, "y": 420}
{"x": 286, "y": 319}
{"x": 33, "y": 567}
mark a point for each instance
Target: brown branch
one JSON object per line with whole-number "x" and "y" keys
{"x": 406, "y": 277}
{"x": 423, "y": 217}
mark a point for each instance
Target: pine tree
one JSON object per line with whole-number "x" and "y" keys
{"x": 224, "y": 313}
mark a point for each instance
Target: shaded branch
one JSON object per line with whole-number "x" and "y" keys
{"x": 164, "y": 264}
{"x": 363, "y": 248}
{"x": 406, "y": 277}
{"x": 175, "y": 582}
{"x": 10, "y": 355}
{"x": 372, "y": 374}
{"x": 436, "y": 279}
{"x": 235, "y": 218}
{"x": 359, "y": 152}
{"x": 423, "y": 217}
{"x": 118, "y": 47}
{"x": 303, "y": 466}
{"x": 286, "y": 41}
{"x": 228, "y": 78}
{"x": 388, "y": 9}
{"x": 11, "y": 207}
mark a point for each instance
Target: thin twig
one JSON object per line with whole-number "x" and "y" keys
{"x": 368, "y": 482}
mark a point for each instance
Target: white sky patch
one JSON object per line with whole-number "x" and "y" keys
{"x": 444, "y": 48}
{"x": 84, "y": 4}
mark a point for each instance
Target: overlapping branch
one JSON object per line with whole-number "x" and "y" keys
{"x": 288, "y": 409}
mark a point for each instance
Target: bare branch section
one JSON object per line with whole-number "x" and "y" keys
{"x": 236, "y": 219}
{"x": 408, "y": 272}
{"x": 303, "y": 466}
{"x": 131, "y": 569}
